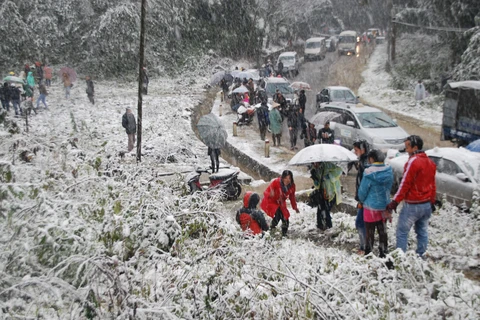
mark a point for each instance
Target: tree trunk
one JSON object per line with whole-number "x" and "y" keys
{"x": 140, "y": 82}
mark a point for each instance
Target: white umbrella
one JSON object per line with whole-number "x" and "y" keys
{"x": 322, "y": 153}
{"x": 241, "y": 89}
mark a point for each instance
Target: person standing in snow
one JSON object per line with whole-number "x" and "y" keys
{"x": 326, "y": 179}
{"x": 47, "y": 71}
{"x": 418, "y": 190}
{"x": 31, "y": 81}
{"x": 15, "y": 98}
{"x": 274, "y": 200}
{"x": 280, "y": 68}
{"x": 275, "y": 124}
{"x": 130, "y": 125}
{"x": 43, "y": 95}
{"x": 250, "y": 219}
{"x": 419, "y": 91}
{"x": 40, "y": 73}
{"x": 361, "y": 149}
{"x": 310, "y": 135}
{"x": 5, "y": 96}
{"x": 326, "y": 135}
{"x": 293, "y": 122}
{"x": 214, "y": 158}
{"x": 374, "y": 194}
{"x": 67, "y": 84}
{"x": 90, "y": 89}
{"x": 302, "y": 100}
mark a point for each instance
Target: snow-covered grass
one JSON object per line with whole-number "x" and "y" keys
{"x": 86, "y": 232}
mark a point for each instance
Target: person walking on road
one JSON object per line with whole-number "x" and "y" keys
{"x": 43, "y": 95}
{"x": 374, "y": 194}
{"x": 31, "y": 81}
{"x": 326, "y": 135}
{"x": 361, "y": 149}
{"x": 418, "y": 191}
{"x": 47, "y": 71}
{"x": 302, "y": 100}
{"x": 275, "y": 124}
{"x": 214, "y": 158}
{"x": 67, "y": 84}
{"x": 274, "y": 200}
{"x": 280, "y": 68}
{"x": 263, "y": 119}
{"x": 130, "y": 125}
{"x": 293, "y": 122}
{"x": 90, "y": 89}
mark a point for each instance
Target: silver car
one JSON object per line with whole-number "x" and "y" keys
{"x": 458, "y": 173}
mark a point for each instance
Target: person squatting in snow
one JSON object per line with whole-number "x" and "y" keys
{"x": 274, "y": 200}
{"x": 130, "y": 125}
{"x": 250, "y": 219}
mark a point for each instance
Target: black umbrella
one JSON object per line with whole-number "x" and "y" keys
{"x": 211, "y": 131}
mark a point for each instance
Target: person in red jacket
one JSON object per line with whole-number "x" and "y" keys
{"x": 275, "y": 197}
{"x": 417, "y": 189}
{"x": 250, "y": 219}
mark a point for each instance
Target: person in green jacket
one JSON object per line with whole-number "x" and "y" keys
{"x": 275, "y": 124}
{"x": 31, "y": 81}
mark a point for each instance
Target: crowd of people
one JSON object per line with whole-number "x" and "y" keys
{"x": 373, "y": 187}
{"x": 19, "y": 89}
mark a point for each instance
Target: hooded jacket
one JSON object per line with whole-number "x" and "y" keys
{"x": 249, "y": 218}
{"x": 418, "y": 182}
{"x": 30, "y": 79}
{"x": 275, "y": 197}
{"x": 275, "y": 121}
{"x": 374, "y": 191}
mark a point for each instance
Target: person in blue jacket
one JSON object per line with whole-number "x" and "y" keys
{"x": 374, "y": 194}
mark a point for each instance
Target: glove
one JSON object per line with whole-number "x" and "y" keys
{"x": 433, "y": 207}
{"x": 392, "y": 206}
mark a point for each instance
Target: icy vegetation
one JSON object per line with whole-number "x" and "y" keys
{"x": 86, "y": 232}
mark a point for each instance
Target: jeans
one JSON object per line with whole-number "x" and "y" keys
{"x": 360, "y": 225}
{"x": 41, "y": 98}
{"x": 16, "y": 106}
{"x": 418, "y": 215}
{"x": 67, "y": 92}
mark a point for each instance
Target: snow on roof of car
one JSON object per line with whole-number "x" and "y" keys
{"x": 455, "y": 154}
{"x": 315, "y": 39}
{"x": 465, "y": 84}
{"x": 289, "y": 53}
{"x": 357, "y": 108}
{"x": 348, "y": 33}
{"x": 339, "y": 88}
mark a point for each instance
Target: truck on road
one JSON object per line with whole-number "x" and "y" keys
{"x": 461, "y": 112}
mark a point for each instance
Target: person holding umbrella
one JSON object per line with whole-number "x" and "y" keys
{"x": 302, "y": 100}
{"x": 274, "y": 200}
{"x": 214, "y": 158}
{"x": 326, "y": 180}
{"x": 67, "y": 84}
{"x": 213, "y": 134}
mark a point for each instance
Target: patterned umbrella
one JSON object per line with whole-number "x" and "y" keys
{"x": 301, "y": 86}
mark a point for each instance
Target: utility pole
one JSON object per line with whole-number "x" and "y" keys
{"x": 140, "y": 81}
{"x": 394, "y": 37}
{"x": 389, "y": 29}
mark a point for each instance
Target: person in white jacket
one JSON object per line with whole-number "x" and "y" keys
{"x": 419, "y": 91}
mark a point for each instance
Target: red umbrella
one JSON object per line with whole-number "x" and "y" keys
{"x": 71, "y": 73}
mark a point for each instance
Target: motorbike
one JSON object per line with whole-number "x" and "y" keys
{"x": 224, "y": 182}
{"x": 245, "y": 114}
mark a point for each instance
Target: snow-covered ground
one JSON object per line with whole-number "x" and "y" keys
{"x": 377, "y": 90}
{"x": 87, "y": 232}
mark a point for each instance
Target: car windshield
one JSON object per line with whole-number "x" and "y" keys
{"x": 347, "y": 39}
{"x": 287, "y": 58}
{"x": 375, "y": 120}
{"x": 284, "y": 88}
{"x": 475, "y": 175}
{"x": 342, "y": 95}
{"x": 313, "y": 45}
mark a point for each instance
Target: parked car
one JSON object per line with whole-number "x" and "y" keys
{"x": 290, "y": 62}
{"x": 458, "y": 173}
{"x": 336, "y": 94}
{"x": 315, "y": 49}
{"x": 357, "y": 122}
{"x": 282, "y": 84}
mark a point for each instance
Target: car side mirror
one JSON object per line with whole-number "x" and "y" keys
{"x": 350, "y": 123}
{"x": 462, "y": 176}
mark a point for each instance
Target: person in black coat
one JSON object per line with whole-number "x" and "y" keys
{"x": 326, "y": 135}
{"x": 263, "y": 120}
{"x": 90, "y": 89}
{"x": 15, "y": 98}
{"x": 5, "y": 96}
{"x": 361, "y": 149}
{"x": 214, "y": 154}
{"x": 280, "y": 68}
{"x": 293, "y": 126}
{"x": 302, "y": 100}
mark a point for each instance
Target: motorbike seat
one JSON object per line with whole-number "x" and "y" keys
{"x": 222, "y": 174}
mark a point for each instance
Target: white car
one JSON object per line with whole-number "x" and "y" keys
{"x": 360, "y": 122}
{"x": 458, "y": 173}
{"x": 291, "y": 63}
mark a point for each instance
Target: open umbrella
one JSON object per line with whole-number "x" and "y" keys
{"x": 242, "y": 74}
{"x": 241, "y": 89}
{"x": 322, "y": 153}
{"x": 300, "y": 86}
{"x": 71, "y": 73}
{"x": 14, "y": 79}
{"x": 474, "y": 146}
{"x": 217, "y": 77}
{"x": 320, "y": 118}
{"x": 211, "y": 131}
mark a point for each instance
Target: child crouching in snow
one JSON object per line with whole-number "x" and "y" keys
{"x": 250, "y": 219}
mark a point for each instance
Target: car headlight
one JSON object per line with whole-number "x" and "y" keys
{"x": 378, "y": 140}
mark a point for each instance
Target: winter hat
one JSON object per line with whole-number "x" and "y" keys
{"x": 129, "y": 108}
